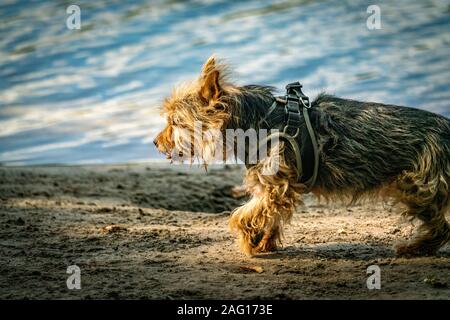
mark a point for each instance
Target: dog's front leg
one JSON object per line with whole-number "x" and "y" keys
{"x": 259, "y": 222}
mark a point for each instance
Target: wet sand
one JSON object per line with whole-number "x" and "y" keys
{"x": 151, "y": 231}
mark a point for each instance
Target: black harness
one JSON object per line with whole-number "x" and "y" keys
{"x": 301, "y": 138}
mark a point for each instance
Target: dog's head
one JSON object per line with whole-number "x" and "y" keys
{"x": 197, "y": 105}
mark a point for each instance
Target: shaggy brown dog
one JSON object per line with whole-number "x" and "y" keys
{"x": 364, "y": 149}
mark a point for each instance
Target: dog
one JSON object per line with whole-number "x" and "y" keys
{"x": 364, "y": 149}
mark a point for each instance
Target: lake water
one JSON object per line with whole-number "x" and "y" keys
{"x": 92, "y": 95}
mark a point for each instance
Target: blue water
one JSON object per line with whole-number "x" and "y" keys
{"x": 92, "y": 95}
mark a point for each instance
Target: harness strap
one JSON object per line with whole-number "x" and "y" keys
{"x": 310, "y": 183}
{"x": 295, "y": 99}
{"x": 271, "y": 109}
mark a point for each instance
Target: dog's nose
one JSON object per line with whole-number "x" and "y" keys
{"x": 155, "y": 143}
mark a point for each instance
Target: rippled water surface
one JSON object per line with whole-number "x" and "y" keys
{"x": 92, "y": 95}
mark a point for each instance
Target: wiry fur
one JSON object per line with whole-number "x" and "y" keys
{"x": 365, "y": 148}
{"x": 259, "y": 223}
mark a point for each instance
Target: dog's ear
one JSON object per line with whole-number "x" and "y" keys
{"x": 210, "y": 87}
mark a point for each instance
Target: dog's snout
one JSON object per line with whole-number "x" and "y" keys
{"x": 155, "y": 142}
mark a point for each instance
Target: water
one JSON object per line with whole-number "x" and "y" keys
{"x": 92, "y": 95}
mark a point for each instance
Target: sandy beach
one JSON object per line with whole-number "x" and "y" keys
{"x": 153, "y": 231}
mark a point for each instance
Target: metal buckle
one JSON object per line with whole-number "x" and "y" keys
{"x": 287, "y": 106}
{"x": 293, "y": 85}
{"x": 297, "y": 132}
{"x": 296, "y": 87}
{"x": 292, "y": 109}
{"x": 291, "y": 97}
{"x": 304, "y": 100}
{"x": 307, "y": 105}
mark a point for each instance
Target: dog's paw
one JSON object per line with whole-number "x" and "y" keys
{"x": 265, "y": 242}
{"x": 252, "y": 242}
{"x": 256, "y": 234}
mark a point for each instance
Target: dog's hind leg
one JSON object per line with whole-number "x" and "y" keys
{"x": 428, "y": 200}
{"x": 259, "y": 222}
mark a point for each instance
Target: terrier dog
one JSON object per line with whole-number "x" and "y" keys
{"x": 364, "y": 148}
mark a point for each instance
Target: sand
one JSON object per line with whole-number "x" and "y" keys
{"x": 153, "y": 231}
